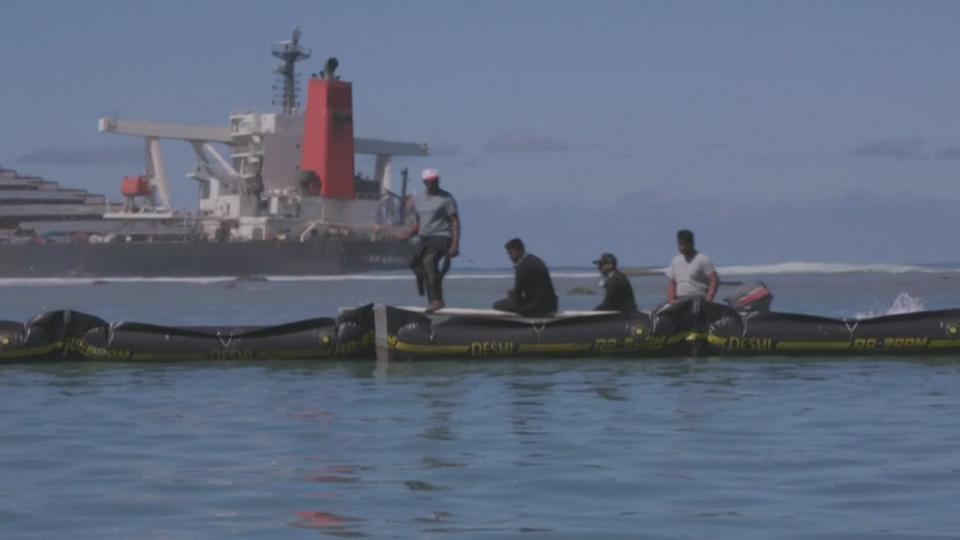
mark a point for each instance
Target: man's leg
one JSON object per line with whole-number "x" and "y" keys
{"x": 417, "y": 265}
{"x": 507, "y": 304}
{"x": 544, "y": 308}
{"x": 435, "y": 251}
{"x": 535, "y": 310}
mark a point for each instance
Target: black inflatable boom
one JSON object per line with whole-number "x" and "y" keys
{"x": 689, "y": 328}
{"x": 71, "y": 335}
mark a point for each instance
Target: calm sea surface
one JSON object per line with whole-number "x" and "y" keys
{"x": 677, "y": 448}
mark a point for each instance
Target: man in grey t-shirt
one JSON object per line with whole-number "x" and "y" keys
{"x": 438, "y": 225}
{"x": 691, "y": 273}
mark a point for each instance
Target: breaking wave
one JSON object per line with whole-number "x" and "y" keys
{"x": 47, "y": 282}
{"x": 725, "y": 271}
{"x": 207, "y": 280}
{"x": 904, "y": 303}
{"x": 831, "y": 268}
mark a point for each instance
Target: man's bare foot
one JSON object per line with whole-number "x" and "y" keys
{"x": 434, "y": 306}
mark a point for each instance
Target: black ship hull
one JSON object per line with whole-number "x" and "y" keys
{"x": 198, "y": 259}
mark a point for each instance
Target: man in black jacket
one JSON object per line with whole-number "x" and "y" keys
{"x": 619, "y": 296}
{"x": 532, "y": 294}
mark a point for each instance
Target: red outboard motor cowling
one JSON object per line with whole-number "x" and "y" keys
{"x": 750, "y": 297}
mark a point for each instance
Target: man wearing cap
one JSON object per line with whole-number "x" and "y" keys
{"x": 619, "y": 295}
{"x": 438, "y": 225}
{"x": 691, "y": 273}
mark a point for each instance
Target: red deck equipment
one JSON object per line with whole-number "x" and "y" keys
{"x": 135, "y": 186}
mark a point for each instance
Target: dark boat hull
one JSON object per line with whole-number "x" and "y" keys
{"x": 196, "y": 259}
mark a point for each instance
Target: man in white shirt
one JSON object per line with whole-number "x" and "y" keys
{"x": 691, "y": 273}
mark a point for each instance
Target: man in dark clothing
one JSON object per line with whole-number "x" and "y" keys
{"x": 619, "y": 296}
{"x": 532, "y": 294}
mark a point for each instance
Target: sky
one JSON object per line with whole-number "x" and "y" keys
{"x": 778, "y": 131}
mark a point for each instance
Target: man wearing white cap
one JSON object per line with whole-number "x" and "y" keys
{"x": 438, "y": 225}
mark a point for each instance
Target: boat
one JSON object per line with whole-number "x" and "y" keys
{"x": 283, "y": 199}
{"x": 688, "y": 328}
{"x": 692, "y": 328}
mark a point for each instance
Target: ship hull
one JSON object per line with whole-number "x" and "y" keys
{"x": 198, "y": 259}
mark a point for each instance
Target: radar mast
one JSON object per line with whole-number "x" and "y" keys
{"x": 290, "y": 52}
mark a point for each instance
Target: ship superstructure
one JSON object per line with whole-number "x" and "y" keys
{"x": 285, "y": 174}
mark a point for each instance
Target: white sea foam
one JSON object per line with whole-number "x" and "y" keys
{"x": 800, "y": 267}
{"x": 47, "y": 282}
{"x": 405, "y": 277}
{"x": 725, "y": 271}
{"x": 904, "y": 303}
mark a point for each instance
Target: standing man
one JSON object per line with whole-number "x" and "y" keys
{"x": 691, "y": 273}
{"x": 438, "y": 225}
{"x": 532, "y": 294}
{"x": 619, "y": 295}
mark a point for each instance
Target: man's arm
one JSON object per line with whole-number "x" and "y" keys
{"x": 521, "y": 282}
{"x": 539, "y": 291}
{"x": 607, "y": 304}
{"x": 672, "y": 291}
{"x": 714, "y": 285}
{"x": 455, "y": 237}
{"x": 412, "y": 232}
{"x": 412, "y": 208}
{"x": 615, "y": 289}
{"x": 514, "y": 293}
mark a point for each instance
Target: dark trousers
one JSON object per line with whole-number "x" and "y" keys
{"x": 430, "y": 263}
{"x": 533, "y": 309}
{"x": 508, "y": 304}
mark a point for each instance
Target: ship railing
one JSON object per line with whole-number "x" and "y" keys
{"x": 370, "y": 231}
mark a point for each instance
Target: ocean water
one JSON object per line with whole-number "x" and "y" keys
{"x": 676, "y": 448}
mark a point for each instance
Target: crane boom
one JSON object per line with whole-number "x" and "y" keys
{"x": 217, "y": 134}
{"x": 183, "y": 132}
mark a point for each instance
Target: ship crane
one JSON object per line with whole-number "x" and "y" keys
{"x": 200, "y": 137}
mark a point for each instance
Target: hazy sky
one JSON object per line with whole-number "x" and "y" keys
{"x": 779, "y": 130}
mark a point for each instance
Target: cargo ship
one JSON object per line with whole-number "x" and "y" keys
{"x": 279, "y": 195}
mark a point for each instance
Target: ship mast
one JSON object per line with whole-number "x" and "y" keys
{"x": 290, "y": 52}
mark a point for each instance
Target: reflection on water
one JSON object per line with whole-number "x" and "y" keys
{"x": 703, "y": 448}
{"x": 330, "y": 524}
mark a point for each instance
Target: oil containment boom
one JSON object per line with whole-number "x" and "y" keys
{"x": 688, "y": 328}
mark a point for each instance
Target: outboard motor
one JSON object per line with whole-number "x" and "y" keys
{"x": 752, "y": 297}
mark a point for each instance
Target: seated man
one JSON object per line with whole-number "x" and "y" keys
{"x": 691, "y": 273}
{"x": 619, "y": 295}
{"x": 532, "y": 294}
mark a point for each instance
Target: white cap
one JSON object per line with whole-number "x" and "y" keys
{"x": 430, "y": 174}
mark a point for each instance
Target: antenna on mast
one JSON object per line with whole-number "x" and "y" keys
{"x": 290, "y": 52}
